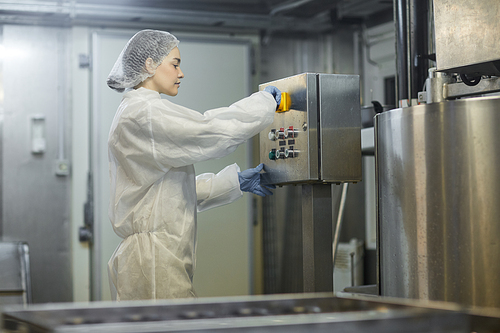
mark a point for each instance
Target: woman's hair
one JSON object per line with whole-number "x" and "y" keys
{"x": 130, "y": 67}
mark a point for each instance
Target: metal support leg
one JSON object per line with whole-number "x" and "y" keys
{"x": 317, "y": 237}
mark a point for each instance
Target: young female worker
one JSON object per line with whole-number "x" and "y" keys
{"x": 153, "y": 144}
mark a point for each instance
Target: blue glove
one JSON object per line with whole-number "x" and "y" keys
{"x": 275, "y": 92}
{"x": 250, "y": 181}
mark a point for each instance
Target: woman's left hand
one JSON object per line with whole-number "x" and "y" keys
{"x": 251, "y": 181}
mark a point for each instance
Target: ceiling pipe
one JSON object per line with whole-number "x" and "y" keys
{"x": 288, "y": 5}
{"x": 73, "y": 13}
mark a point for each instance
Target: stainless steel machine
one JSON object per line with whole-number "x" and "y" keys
{"x": 314, "y": 142}
{"x": 438, "y": 179}
{"x": 277, "y": 313}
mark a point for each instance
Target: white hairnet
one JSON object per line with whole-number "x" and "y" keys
{"x": 130, "y": 67}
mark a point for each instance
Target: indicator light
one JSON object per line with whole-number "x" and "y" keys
{"x": 272, "y": 154}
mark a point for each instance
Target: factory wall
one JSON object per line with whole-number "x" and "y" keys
{"x": 45, "y": 207}
{"x": 36, "y": 149}
{"x": 47, "y": 79}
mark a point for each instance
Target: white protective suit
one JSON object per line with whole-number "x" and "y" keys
{"x": 154, "y": 197}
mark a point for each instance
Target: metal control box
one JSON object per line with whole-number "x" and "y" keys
{"x": 319, "y": 139}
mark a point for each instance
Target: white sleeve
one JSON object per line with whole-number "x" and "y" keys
{"x": 214, "y": 190}
{"x": 181, "y": 136}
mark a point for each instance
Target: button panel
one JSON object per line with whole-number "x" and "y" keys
{"x": 285, "y": 137}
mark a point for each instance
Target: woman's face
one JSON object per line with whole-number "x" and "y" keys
{"x": 168, "y": 75}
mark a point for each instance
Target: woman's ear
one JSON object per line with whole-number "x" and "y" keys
{"x": 150, "y": 66}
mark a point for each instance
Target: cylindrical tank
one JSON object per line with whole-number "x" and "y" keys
{"x": 438, "y": 201}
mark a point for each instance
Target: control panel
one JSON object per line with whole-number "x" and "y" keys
{"x": 286, "y": 141}
{"x": 316, "y": 133}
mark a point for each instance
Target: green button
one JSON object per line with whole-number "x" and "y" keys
{"x": 272, "y": 155}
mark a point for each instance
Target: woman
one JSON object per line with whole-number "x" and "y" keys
{"x": 153, "y": 144}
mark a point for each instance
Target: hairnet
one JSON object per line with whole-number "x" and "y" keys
{"x": 130, "y": 67}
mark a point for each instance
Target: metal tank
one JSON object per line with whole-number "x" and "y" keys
{"x": 438, "y": 198}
